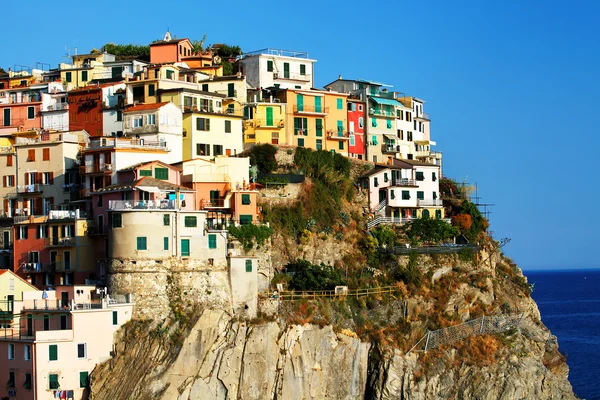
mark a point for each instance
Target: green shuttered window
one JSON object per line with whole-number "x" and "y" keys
{"x": 212, "y": 241}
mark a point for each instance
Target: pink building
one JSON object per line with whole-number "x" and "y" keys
{"x": 56, "y": 338}
{"x": 356, "y": 127}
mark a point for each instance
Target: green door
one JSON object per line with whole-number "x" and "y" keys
{"x": 382, "y": 195}
{"x": 214, "y": 197}
{"x": 425, "y": 214}
{"x": 317, "y": 104}
{"x": 6, "y": 117}
{"x": 230, "y": 90}
{"x": 269, "y": 111}
{"x": 286, "y": 70}
{"x": 185, "y": 247}
{"x": 300, "y": 102}
{"x": 397, "y": 213}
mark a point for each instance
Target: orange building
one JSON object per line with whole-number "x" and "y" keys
{"x": 170, "y": 50}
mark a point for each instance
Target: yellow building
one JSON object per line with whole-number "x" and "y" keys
{"x": 264, "y": 122}
{"x": 12, "y": 287}
{"x": 316, "y": 119}
{"x": 83, "y": 69}
{"x": 210, "y": 134}
{"x": 145, "y": 87}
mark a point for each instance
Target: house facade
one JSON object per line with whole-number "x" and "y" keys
{"x": 356, "y": 128}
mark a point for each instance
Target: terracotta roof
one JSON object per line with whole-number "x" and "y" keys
{"x": 144, "y": 107}
{"x": 415, "y": 163}
{"x": 145, "y": 181}
{"x": 92, "y": 87}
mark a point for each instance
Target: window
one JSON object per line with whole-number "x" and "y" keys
{"x": 212, "y": 241}
{"x": 115, "y": 317}
{"x": 385, "y": 177}
{"x": 438, "y": 214}
{"x": 138, "y": 121}
{"x": 420, "y": 195}
{"x": 46, "y": 322}
{"x": 202, "y": 124}
{"x": 374, "y": 122}
{"x": 245, "y": 219}
{"x": 119, "y": 115}
{"x": 31, "y": 155}
{"x": 340, "y": 145}
{"x": 53, "y": 381}
{"x": 166, "y": 219}
{"x": 302, "y": 69}
{"x": 202, "y": 149}
{"x": 9, "y": 180}
{"x": 169, "y": 74}
{"x": 11, "y": 351}
{"x": 248, "y": 265}
{"x": 230, "y": 90}
{"x": 117, "y": 220}
{"x": 352, "y": 140}
{"x": 185, "y": 247}
{"x": 434, "y": 195}
{"x": 152, "y": 119}
{"x": 245, "y": 199}
{"x": 375, "y": 182}
{"x": 84, "y": 76}
{"x": 420, "y": 176}
{"x": 46, "y": 154}
{"x": 433, "y": 177}
{"x": 53, "y": 352}
{"x": 301, "y": 126}
{"x": 319, "y": 144}
{"x": 22, "y": 233}
{"x": 68, "y": 77}
{"x": 27, "y": 352}
{"x": 392, "y": 195}
{"x": 151, "y": 90}
{"x": 11, "y": 379}
{"x": 165, "y": 243}
{"x": 340, "y": 104}
{"x": 190, "y": 222}
{"x": 405, "y": 195}
{"x": 274, "y": 137}
{"x": 30, "y": 112}
{"x": 389, "y": 124}
{"x": 300, "y": 102}
{"x": 27, "y": 383}
{"x": 286, "y": 70}
{"x": 218, "y": 149}
{"x": 361, "y": 122}
{"x": 161, "y": 173}
{"x": 83, "y": 379}
{"x": 269, "y": 66}
{"x": 63, "y": 318}
{"x": 81, "y": 350}
{"x": 141, "y": 243}
{"x": 145, "y": 172}
{"x": 9, "y": 160}
{"x": 300, "y": 142}
{"x": 319, "y": 127}
{"x": 205, "y": 87}
{"x": 227, "y": 126}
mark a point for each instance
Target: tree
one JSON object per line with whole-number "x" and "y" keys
{"x": 308, "y": 276}
{"x": 462, "y": 222}
{"x": 263, "y": 156}
{"x": 198, "y": 45}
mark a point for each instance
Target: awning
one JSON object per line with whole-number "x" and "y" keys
{"x": 391, "y": 137}
{"x": 387, "y": 102}
{"x": 149, "y": 189}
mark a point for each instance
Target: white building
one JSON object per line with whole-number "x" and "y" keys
{"x": 159, "y": 124}
{"x": 278, "y": 68}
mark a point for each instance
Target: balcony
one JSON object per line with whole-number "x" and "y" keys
{"x": 429, "y": 203}
{"x": 32, "y": 189}
{"x": 56, "y": 107}
{"x": 390, "y": 148}
{"x": 61, "y": 266}
{"x": 213, "y": 203}
{"x": 135, "y": 205}
{"x": 422, "y": 153}
{"x": 291, "y": 76}
{"x": 310, "y": 110}
{"x": 423, "y": 116}
{"x": 96, "y": 169}
{"x": 67, "y": 214}
{"x": 198, "y": 109}
{"x": 385, "y": 95}
{"x": 60, "y": 242}
{"x": 404, "y": 182}
{"x": 258, "y": 123}
{"x": 333, "y": 134}
{"x": 97, "y": 230}
{"x": 382, "y": 112}
{"x": 32, "y": 267}
{"x": 44, "y": 304}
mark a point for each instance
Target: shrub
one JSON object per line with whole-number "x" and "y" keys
{"x": 386, "y": 237}
{"x": 432, "y": 230}
{"x": 263, "y": 156}
{"x": 307, "y": 276}
{"x": 462, "y": 222}
{"x": 251, "y": 234}
{"x": 478, "y": 225}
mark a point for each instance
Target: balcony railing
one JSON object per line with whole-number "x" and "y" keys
{"x": 430, "y": 203}
{"x": 67, "y": 214}
{"x": 404, "y": 182}
{"x": 142, "y": 205}
{"x": 213, "y": 203}
{"x": 268, "y": 124}
{"x": 390, "y": 148}
{"x": 45, "y": 304}
{"x": 32, "y": 267}
{"x": 292, "y": 76}
{"x": 310, "y": 109}
{"x": 337, "y": 135}
{"x": 60, "y": 241}
{"x": 35, "y": 188}
{"x": 423, "y": 116}
{"x": 56, "y": 107}
{"x": 127, "y": 143}
{"x": 95, "y": 169}
{"x": 199, "y": 109}
{"x": 382, "y": 112}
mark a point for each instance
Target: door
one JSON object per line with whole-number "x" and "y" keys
{"x": 425, "y": 214}
{"x": 6, "y": 121}
{"x": 6, "y": 238}
{"x": 300, "y": 102}
{"x": 269, "y": 111}
{"x": 382, "y": 195}
{"x": 100, "y": 223}
{"x": 64, "y": 299}
{"x": 55, "y": 234}
{"x": 185, "y": 247}
{"x": 67, "y": 260}
{"x": 10, "y": 299}
{"x": 214, "y": 198}
{"x": 286, "y": 70}
{"x": 318, "y": 104}
{"x": 29, "y": 325}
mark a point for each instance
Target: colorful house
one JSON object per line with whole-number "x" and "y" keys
{"x": 264, "y": 122}
{"x": 97, "y": 109}
{"x": 170, "y": 50}
{"x": 55, "y": 340}
{"x": 84, "y": 69}
{"x": 356, "y": 128}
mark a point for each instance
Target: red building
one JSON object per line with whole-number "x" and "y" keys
{"x": 356, "y": 127}
{"x": 85, "y": 110}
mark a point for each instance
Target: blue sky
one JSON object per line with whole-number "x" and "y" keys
{"x": 509, "y": 86}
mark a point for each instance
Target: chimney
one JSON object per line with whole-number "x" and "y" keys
{"x": 340, "y": 77}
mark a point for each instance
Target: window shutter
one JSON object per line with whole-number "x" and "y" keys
{"x": 6, "y": 205}
{"x": 27, "y": 179}
{"x": 207, "y": 123}
{"x": 248, "y": 265}
{"x": 212, "y": 241}
{"x": 4, "y": 179}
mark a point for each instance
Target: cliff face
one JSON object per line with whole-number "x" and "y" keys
{"x": 221, "y": 358}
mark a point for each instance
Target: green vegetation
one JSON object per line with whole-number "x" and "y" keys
{"x": 307, "y": 276}
{"x": 430, "y": 230}
{"x": 127, "y": 50}
{"x": 251, "y": 235}
{"x": 263, "y": 157}
{"x": 228, "y": 56}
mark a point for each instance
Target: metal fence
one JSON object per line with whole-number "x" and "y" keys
{"x": 442, "y": 249}
{"x": 499, "y": 323}
{"x": 340, "y": 292}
